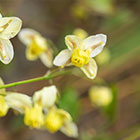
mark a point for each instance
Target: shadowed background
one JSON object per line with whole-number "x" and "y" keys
{"x": 119, "y": 20}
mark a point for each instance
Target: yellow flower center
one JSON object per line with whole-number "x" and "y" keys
{"x": 34, "y": 116}
{"x": 80, "y": 57}
{"x": 53, "y": 121}
{"x": 38, "y": 46}
{"x": 3, "y": 107}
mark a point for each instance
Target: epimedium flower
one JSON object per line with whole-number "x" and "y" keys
{"x": 100, "y": 95}
{"x": 36, "y": 46}
{"x": 9, "y": 27}
{"x": 80, "y": 53}
{"x": 58, "y": 119}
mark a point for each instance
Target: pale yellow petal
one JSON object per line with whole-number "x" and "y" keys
{"x": 70, "y": 129}
{"x": 46, "y": 96}
{"x": 18, "y": 101}
{"x": 95, "y": 43}
{"x": 9, "y": 27}
{"x": 63, "y": 58}
{"x": 73, "y": 41}
{"x": 2, "y": 91}
{"x": 0, "y": 15}
{"x": 90, "y": 69}
{"x": 47, "y": 58}
{"x": 6, "y": 51}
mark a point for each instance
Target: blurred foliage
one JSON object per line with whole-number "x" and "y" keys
{"x": 69, "y": 101}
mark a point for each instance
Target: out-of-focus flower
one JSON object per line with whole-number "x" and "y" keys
{"x": 59, "y": 119}
{"x": 80, "y": 33}
{"x": 102, "y": 6}
{"x": 103, "y": 57}
{"x": 37, "y": 46}
{"x": 80, "y": 53}
{"x": 100, "y": 95}
{"x": 9, "y": 27}
{"x": 3, "y": 105}
{"x": 79, "y": 11}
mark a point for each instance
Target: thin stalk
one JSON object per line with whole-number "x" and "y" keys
{"x": 45, "y": 77}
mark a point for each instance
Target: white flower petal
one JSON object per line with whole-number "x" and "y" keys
{"x": 47, "y": 58}
{"x": 2, "y": 91}
{"x": 96, "y": 43}
{"x": 90, "y": 69}
{"x": 73, "y": 41}
{"x": 6, "y": 51}
{"x": 9, "y": 27}
{"x": 0, "y": 15}
{"x": 18, "y": 101}
{"x": 46, "y": 96}
{"x": 63, "y": 58}
{"x": 26, "y": 35}
{"x": 70, "y": 129}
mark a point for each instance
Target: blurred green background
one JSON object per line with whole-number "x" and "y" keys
{"x": 120, "y": 21}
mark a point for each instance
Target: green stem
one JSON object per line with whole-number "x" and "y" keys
{"x": 45, "y": 77}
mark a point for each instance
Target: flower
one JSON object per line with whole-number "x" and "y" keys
{"x": 3, "y": 105}
{"x": 9, "y": 27}
{"x": 100, "y": 95}
{"x": 80, "y": 33}
{"x": 59, "y": 119}
{"x": 37, "y": 46}
{"x": 80, "y": 53}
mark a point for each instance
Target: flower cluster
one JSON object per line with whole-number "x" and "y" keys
{"x": 37, "y": 46}
{"x": 40, "y": 111}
